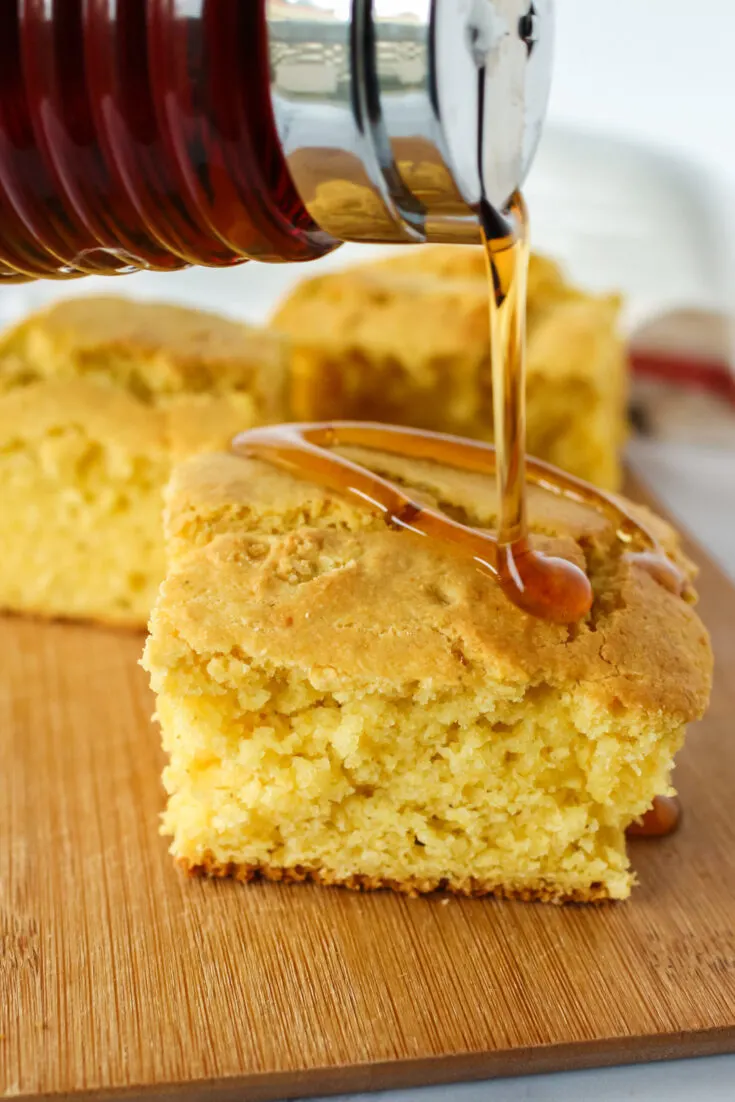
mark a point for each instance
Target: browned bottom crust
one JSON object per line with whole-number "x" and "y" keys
{"x": 539, "y": 892}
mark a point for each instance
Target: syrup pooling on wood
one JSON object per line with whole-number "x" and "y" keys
{"x": 662, "y": 818}
{"x": 557, "y": 591}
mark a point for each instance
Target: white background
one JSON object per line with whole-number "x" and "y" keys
{"x": 659, "y": 70}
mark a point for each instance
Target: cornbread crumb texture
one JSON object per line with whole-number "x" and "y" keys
{"x": 406, "y": 340}
{"x": 344, "y": 702}
{"x": 97, "y": 397}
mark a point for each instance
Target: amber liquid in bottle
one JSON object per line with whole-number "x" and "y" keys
{"x": 140, "y": 134}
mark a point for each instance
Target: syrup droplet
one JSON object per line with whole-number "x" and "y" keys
{"x": 662, "y": 818}
{"x": 544, "y": 585}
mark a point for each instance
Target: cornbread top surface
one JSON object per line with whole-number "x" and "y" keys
{"x": 376, "y": 307}
{"x": 140, "y": 374}
{"x": 267, "y": 565}
{"x": 197, "y": 350}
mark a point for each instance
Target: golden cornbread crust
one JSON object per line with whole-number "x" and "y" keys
{"x": 350, "y": 704}
{"x": 98, "y": 397}
{"x": 194, "y": 350}
{"x": 642, "y": 645}
{"x": 473, "y": 889}
{"x": 406, "y": 340}
{"x": 145, "y": 373}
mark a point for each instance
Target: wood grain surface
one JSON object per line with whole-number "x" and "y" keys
{"x": 118, "y": 975}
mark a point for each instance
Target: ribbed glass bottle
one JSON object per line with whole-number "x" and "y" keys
{"x": 140, "y": 134}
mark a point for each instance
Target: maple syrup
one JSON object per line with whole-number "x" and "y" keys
{"x": 661, "y": 819}
{"x": 305, "y": 451}
{"x": 541, "y": 584}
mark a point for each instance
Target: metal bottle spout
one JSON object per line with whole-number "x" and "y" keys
{"x": 377, "y": 104}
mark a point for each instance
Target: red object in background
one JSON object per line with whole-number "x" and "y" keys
{"x": 716, "y": 377}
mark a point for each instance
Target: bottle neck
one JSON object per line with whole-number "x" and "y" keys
{"x": 395, "y": 127}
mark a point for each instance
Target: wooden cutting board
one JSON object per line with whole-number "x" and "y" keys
{"x": 116, "y": 973}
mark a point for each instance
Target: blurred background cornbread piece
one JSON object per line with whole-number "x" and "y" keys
{"x": 405, "y": 340}
{"x": 345, "y": 702}
{"x": 98, "y": 397}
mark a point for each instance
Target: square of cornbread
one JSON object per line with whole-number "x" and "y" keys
{"x": 406, "y": 341}
{"x": 354, "y": 705}
{"x": 98, "y": 398}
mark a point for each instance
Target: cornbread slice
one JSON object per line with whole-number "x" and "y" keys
{"x": 98, "y": 397}
{"x": 406, "y": 341}
{"x": 351, "y": 704}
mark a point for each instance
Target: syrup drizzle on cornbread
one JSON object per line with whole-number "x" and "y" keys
{"x": 541, "y": 585}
